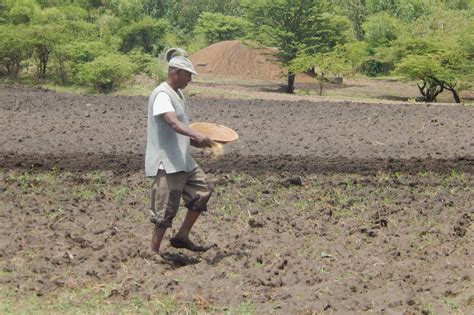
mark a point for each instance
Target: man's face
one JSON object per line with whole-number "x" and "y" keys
{"x": 184, "y": 77}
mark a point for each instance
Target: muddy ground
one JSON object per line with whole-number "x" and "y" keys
{"x": 333, "y": 207}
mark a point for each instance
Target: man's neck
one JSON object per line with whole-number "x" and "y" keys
{"x": 172, "y": 85}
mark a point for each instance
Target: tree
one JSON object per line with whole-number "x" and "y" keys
{"x": 442, "y": 22}
{"x": 183, "y": 14}
{"x": 295, "y": 27}
{"x": 44, "y": 38}
{"x": 356, "y": 11}
{"x": 217, "y": 27}
{"x": 403, "y": 47}
{"x": 439, "y": 52}
{"x": 423, "y": 68}
{"x": 438, "y": 72}
{"x": 406, "y": 10}
{"x": 376, "y": 6}
{"x": 126, "y": 10}
{"x": 411, "y": 10}
{"x": 15, "y": 49}
{"x": 331, "y": 63}
{"x": 154, "y": 8}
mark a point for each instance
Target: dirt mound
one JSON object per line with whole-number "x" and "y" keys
{"x": 237, "y": 59}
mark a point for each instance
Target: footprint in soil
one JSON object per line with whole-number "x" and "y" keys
{"x": 213, "y": 258}
{"x": 179, "y": 259}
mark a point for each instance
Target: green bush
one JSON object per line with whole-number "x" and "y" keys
{"x": 354, "y": 53}
{"x": 442, "y": 22}
{"x": 159, "y": 71}
{"x": 217, "y": 27}
{"x": 70, "y": 56}
{"x": 73, "y": 12}
{"x": 105, "y": 73}
{"x": 381, "y": 29}
{"x": 146, "y": 34}
{"x": 373, "y": 67}
{"x": 83, "y": 52}
{"x": 406, "y": 10}
{"x": 49, "y": 16}
{"x": 21, "y": 11}
{"x": 149, "y": 65}
{"x": 143, "y": 62}
{"x": 56, "y": 14}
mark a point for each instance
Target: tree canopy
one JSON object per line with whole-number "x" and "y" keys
{"x": 302, "y": 26}
{"x": 426, "y": 42}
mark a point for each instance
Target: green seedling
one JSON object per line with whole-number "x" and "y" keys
{"x": 120, "y": 193}
{"x": 167, "y": 305}
{"x": 451, "y": 303}
{"x": 85, "y": 192}
{"x": 246, "y": 308}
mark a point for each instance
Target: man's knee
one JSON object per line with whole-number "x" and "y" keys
{"x": 200, "y": 199}
{"x": 165, "y": 218}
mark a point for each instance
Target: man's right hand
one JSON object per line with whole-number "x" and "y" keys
{"x": 203, "y": 141}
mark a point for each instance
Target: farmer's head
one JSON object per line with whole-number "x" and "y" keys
{"x": 180, "y": 71}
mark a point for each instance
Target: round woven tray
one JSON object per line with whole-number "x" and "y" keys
{"x": 218, "y": 133}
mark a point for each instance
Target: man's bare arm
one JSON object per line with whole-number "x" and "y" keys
{"x": 200, "y": 139}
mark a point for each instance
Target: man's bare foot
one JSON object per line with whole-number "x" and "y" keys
{"x": 154, "y": 248}
{"x": 149, "y": 253}
{"x": 188, "y": 244}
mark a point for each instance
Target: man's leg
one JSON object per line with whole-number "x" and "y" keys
{"x": 196, "y": 194}
{"x": 181, "y": 239}
{"x": 165, "y": 197}
{"x": 189, "y": 220}
{"x": 158, "y": 233}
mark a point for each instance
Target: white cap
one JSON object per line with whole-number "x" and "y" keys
{"x": 183, "y": 63}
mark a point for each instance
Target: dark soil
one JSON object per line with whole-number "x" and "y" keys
{"x": 48, "y": 129}
{"x": 319, "y": 207}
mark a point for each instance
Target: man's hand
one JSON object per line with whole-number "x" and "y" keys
{"x": 202, "y": 141}
{"x": 197, "y": 139}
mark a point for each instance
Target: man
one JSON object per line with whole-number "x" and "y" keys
{"x": 168, "y": 158}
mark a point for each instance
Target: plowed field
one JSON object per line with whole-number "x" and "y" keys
{"x": 318, "y": 208}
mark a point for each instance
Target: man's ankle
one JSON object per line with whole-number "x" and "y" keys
{"x": 157, "y": 238}
{"x": 181, "y": 236}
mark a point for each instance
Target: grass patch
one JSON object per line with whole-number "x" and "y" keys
{"x": 98, "y": 301}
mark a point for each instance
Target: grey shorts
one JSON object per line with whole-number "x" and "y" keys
{"x": 167, "y": 190}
